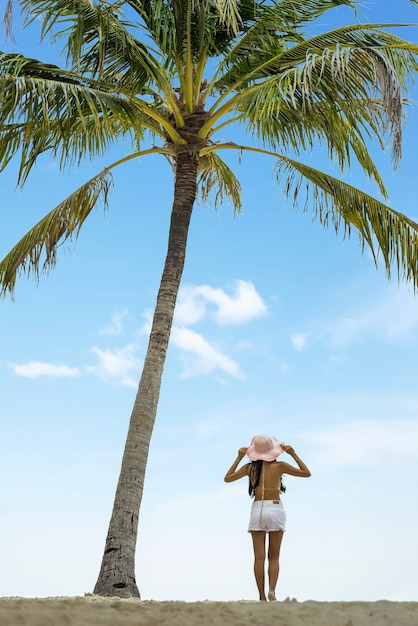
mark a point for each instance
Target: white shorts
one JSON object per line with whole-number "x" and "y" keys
{"x": 267, "y": 515}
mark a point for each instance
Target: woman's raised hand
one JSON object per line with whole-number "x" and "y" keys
{"x": 241, "y": 452}
{"x": 288, "y": 449}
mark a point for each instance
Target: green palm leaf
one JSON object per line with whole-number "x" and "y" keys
{"x": 384, "y": 230}
{"x": 100, "y": 44}
{"x": 65, "y": 113}
{"x": 37, "y": 250}
{"x": 343, "y": 129}
{"x": 339, "y": 78}
{"x": 277, "y": 27}
{"x": 333, "y": 46}
{"x": 215, "y": 175}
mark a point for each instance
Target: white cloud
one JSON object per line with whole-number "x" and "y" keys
{"x": 299, "y": 341}
{"x": 199, "y": 356}
{"x": 349, "y": 328}
{"x": 203, "y": 357}
{"x": 194, "y": 303}
{"x": 118, "y": 365}
{"x": 191, "y": 307}
{"x": 115, "y": 326}
{"x": 365, "y": 442}
{"x": 393, "y": 319}
{"x": 244, "y": 305}
{"x": 147, "y": 325}
{"x": 34, "y": 369}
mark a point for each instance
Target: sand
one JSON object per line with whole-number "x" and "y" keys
{"x": 91, "y": 610}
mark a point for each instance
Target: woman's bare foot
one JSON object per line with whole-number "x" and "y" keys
{"x": 272, "y": 596}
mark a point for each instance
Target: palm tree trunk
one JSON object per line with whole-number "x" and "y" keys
{"x": 117, "y": 573}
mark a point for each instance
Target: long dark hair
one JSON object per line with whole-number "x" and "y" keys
{"x": 254, "y": 478}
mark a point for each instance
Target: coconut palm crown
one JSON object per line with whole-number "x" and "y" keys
{"x": 170, "y": 77}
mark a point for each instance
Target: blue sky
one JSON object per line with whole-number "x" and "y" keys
{"x": 281, "y": 328}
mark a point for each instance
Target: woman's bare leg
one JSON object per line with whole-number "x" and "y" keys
{"x": 259, "y": 545}
{"x": 275, "y": 542}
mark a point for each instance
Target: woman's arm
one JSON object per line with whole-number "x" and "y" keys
{"x": 234, "y": 474}
{"x": 302, "y": 470}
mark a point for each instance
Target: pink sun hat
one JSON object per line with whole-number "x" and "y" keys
{"x": 264, "y": 448}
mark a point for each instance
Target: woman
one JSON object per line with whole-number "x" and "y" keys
{"x": 267, "y": 512}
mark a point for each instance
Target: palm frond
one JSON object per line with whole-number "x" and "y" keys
{"x": 299, "y": 14}
{"x": 345, "y": 38}
{"x": 159, "y": 17}
{"x": 277, "y": 27}
{"x": 340, "y": 77}
{"x": 8, "y": 19}
{"x": 247, "y": 68}
{"x": 37, "y": 250}
{"x": 229, "y": 15}
{"x": 19, "y": 138}
{"x": 332, "y": 201}
{"x": 214, "y": 25}
{"x": 100, "y": 43}
{"x": 215, "y": 175}
{"x": 42, "y": 107}
{"x": 342, "y": 127}
{"x": 391, "y": 96}
{"x": 384, "y": 230}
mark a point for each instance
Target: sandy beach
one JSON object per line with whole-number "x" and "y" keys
{"x": 92, "y": 610}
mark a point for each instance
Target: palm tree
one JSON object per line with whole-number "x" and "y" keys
{"x": 168, "y": 75}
